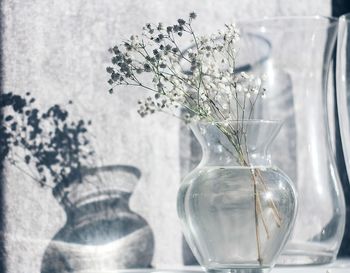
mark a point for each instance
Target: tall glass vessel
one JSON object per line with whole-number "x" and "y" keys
{"x": 296, "y": 64}
{"x": 343, "y": 84}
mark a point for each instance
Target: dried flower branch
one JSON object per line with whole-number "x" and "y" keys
{"x": 201, "y": 79}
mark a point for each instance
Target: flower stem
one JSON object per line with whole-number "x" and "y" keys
{"x": 256, "y": 219}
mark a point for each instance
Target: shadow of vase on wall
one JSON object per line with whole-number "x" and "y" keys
{"x": 101, "y": 232}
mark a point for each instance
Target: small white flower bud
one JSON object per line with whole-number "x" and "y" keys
{"x": 263, "y": 77}
{"x": 244, "y": 75}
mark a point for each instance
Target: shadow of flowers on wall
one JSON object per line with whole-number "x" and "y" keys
{"x": 45, "y": 145}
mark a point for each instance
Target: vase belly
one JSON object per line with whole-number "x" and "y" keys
{"x": 217, "y": 209}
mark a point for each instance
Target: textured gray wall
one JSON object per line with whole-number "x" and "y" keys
{"x": 58, "y": 51}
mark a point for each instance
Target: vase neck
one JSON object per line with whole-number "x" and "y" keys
{"x": 242, "y": 143}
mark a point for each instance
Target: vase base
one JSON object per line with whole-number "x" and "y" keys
{"x": 239, "y": 270}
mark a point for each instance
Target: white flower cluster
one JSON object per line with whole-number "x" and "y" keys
{"x": 201, "y": 79}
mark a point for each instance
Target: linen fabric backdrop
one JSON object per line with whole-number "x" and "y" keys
{"x": 57, "y": 50}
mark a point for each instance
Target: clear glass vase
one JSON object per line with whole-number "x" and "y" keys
{"x": 237, "y": 209}
{"x": 295, "y": 53}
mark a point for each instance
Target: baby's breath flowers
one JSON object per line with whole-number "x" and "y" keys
{"x": 201, "y": 79}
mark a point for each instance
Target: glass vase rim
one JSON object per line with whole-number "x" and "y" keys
{"x": 345, "y": 17}
{"x": 332, "y": 21}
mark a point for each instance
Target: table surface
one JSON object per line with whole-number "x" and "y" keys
{"x": 340, "y": 266}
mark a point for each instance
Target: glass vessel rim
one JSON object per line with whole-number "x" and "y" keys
{"x": 345, "y": 17}
{"x": 254, "y": 22}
